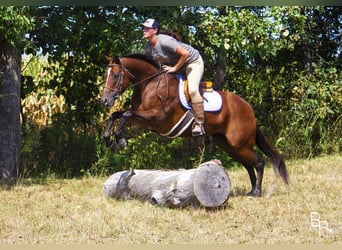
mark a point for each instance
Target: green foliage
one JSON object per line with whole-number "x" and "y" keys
{"x": 314, "y": 120}
{"x": 60, "y": 150}
{"x": 145, "y": 150}
{"x": 31, "y": 146}
{"x": 14, "y": 22}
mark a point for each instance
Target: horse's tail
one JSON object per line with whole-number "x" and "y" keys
{"x": 277, "y": 160}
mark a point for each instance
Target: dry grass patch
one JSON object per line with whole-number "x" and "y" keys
{"x": 74, "y": 211}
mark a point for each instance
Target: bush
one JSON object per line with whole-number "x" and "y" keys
{"x": 313, "y": 123}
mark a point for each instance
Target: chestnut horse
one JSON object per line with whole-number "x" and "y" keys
{"x": 155, "y": 104}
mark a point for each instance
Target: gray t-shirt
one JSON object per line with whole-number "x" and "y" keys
{"x": 165, "y": 50}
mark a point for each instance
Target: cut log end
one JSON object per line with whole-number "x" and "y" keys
{"x": 211, "y": 185}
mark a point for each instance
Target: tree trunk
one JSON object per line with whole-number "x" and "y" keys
{"x": 207, "y": 185}
{"x": 10, "y": 133}
{"x": 220, "y": 70}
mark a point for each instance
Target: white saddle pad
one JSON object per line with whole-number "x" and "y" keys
{"x": 212, "y": 100}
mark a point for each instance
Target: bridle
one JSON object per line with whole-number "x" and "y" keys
{"x": 125, "y": 72}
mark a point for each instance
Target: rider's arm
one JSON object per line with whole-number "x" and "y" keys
{"x": 183, "y": 56}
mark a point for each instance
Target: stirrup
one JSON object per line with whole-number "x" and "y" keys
{"x": 197, "y": 129}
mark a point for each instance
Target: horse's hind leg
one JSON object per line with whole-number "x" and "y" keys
{"x": 248, "y": 158}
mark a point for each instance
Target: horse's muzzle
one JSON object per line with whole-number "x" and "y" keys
{"x": 105, "y": 102}
{"x": 108, "y": 101}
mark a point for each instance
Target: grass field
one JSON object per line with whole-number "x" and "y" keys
{"x": 74, "y": 211}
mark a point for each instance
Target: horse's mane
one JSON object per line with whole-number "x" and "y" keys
{"x": 144, "y": 58}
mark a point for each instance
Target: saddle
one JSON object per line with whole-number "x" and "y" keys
{"x": 212, "y": 99}
{"x": 204, "y": 87}
{"x": 212, "y": 103}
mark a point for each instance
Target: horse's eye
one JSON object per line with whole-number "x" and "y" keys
{"x": 116, "y": 76}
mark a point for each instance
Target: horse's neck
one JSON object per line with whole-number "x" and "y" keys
{"x": 140, "y": 69}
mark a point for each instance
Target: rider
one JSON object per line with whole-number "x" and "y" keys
{"x": 177, "y": 56}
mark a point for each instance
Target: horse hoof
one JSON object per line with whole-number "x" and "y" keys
{"x": 122, "y": 143}
{"x": 254, "y": 193}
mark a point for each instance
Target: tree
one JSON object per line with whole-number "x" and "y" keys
{"x": 13, "y": 25}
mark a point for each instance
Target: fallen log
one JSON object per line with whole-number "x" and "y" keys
{"x": 207, "y": 185}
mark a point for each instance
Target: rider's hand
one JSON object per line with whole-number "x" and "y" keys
{"x": 169, "y": 69}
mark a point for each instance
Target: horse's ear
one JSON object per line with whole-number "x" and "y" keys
{"x": 109, "y": 59}
{"x": 115, "y": 59}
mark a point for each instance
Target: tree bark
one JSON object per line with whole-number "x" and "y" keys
{"x": 220, "y": 70}
{"x": 208, "y": 185}
{"x": 10, "y": 133}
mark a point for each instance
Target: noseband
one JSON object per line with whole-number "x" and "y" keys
{"x": 124, "y": 71}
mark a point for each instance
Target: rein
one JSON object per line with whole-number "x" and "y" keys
{"x": 150, "y": 77}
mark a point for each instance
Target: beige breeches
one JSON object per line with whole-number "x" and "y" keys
{"x": 194, "y": 73}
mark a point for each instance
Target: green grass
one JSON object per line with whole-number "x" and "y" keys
{"x": 74, "y": 211}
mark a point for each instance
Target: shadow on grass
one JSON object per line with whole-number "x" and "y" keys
{"x": 238, "y": 191}
{"x": 9, "y": 184}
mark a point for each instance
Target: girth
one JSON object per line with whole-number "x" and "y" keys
{"x": 181, "y": 125}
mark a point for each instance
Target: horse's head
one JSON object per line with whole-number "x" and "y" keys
{"x": 116, "y": 81}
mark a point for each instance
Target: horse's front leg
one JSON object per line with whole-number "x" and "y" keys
{"x": 106, "y": 136}
{"x": 138, "y": 116}
{"x": 120, "y": 128}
